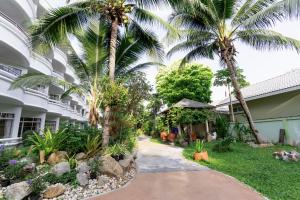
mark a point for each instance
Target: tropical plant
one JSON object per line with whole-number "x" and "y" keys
{"x": 72, "y": 161}
{"x": 191, "y": 82}
{"x": 210, "y": 27}
{"x": 117, "y": 151}
{"x": 54, "y": 26}
{"x": 243, "y": 133}
{"x": 222, "y": 78}
{"x": 25, "y": 137}
{"x": 48, "y": 142}
{"x": 93, "y": 145}
{"x": 199, "y": 146}
{"x": 222, "y": 127}
{"x": 223, "y": 145}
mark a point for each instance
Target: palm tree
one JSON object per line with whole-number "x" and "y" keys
{"x": 211, "y": 27}
{"x": 53, "y": 27}
{"x": 91, "y": 67}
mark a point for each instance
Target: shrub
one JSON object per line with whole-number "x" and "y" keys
{"x": 14, "y": 170}
{"x": 93, "y": 145}
{"x": 223, "y": 145}
{"x": 117, "y": 151}
{"x": 37, "y": 185}
{"x": 72, "y": 162}
{"x": 25, "y": 138}
{"x": 69, "y": 177}
{"x": 95, "y": 165}
{"x": 222, "y": 127}
{"x": 5, "y": 156}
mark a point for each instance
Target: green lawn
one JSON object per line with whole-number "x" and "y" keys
{"x": 257, "y": 168}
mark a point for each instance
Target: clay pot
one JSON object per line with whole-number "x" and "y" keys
{"x": 42, "y": 156}
{"x": 164, "y": 136}
{"x": 172, "y": 137}
{"x": 201, "y": 156}
{"x": 193, "y": 136}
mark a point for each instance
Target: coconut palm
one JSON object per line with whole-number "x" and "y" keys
{"x": 212, "y": 27}
{"x": 91, "y": 67}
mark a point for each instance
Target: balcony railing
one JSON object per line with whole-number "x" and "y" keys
{"x": 10, "y": 69}
{"x": 14, "y": 23}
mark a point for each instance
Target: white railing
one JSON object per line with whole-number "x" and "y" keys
{"x": 10, "y": 69}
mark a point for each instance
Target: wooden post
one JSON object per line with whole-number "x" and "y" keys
{"x": 281, "y": 136}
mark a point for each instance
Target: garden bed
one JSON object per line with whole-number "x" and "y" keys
{"x": 257, "y": 168}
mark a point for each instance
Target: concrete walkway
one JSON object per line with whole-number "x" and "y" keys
{"x": 164, "y": 174}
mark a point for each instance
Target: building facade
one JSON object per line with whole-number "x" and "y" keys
{"x": 274, "y": 104}
{"x": 35, "y": 108}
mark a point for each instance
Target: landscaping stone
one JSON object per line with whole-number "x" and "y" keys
{"x": 57, "y": 157}
{"x": 61, "y": 168}
{"x": 17, "y": 191}
{"x": 80, "y": 156}
{"x": 83, "y": 167}
{"x": 54, "y": 191}
{"x": 83, "y": 179}
{"x": 125, "y": 163}
{"x": 111, "y": 167}
{"x": 287, "y": 156}
{"x": 29, "y": 168}
{"x": 26, "y": 160}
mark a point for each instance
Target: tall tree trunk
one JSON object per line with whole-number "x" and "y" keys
{"x": 112, "y": 67}
{"x": 227, "y": 54}
{"x": 231, "y": 107}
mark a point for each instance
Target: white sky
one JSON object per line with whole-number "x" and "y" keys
{"x": 258, "y": 65}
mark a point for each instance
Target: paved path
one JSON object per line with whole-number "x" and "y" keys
{"x": 163, "y": 174}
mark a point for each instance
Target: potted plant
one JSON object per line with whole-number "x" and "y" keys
{"x": 164, "y": 136}
{"x": 171, "y": 137}
{"x": 200, "y": 153}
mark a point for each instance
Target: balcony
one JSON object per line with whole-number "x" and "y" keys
{"x": 11, "y": 70}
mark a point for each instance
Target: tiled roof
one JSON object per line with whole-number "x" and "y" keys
{"x": 287, "y": 82}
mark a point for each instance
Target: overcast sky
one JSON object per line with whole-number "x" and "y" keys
{"x": 258, "y": 65}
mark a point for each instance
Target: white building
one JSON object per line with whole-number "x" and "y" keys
{"x": 32, "y": 109}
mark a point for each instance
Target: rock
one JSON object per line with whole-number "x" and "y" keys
{"x": 61, "y": 168}
{"x": 83, "y": 167}
{"x": 80, "y": 156}
{"x": 57, "y": 157}
{"x": 111, "y": 167}
{"x": 54, "y": 191}
{"x": 26, "y": 160}
{"x": 17, "y": 191}
{"x": 30, "y": 168}
{"x": 125, "y": 163}
{"x": 83, "y": 179}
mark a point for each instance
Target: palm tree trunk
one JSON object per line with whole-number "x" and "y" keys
{"x": 231, "y": 108}
{"x": 112, "y": 67}
{"x": 227, "y": 54}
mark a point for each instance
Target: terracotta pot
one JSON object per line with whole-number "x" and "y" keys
{"x": 42, "y": 156}
{"x": 164, "y": 136}
{"x": 172, "y": 137}
{"x": 201, "y": 156}
{"x": 193, "y": 136}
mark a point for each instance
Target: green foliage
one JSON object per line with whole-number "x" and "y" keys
{"x": 95, "y": 166}
{"x": 93, "y": 145}
{"x": 256, "y": 167}
{"x": 48, "y": 142}
{"x": 69, "y": 177}
{"x": 116, "y": 150}
{"x": 6, "y": 154}
{"x": 37, "y": 185}
{"x": 25, "y": 138}
{"x": 72, "y": 161}
{"x": 192, "y": 81}
{"x": 222, "y": 78}
{"x": 188, "y": 116}
{"x": 223, "y": 145}
{"x": 222, "y": 127}
{"x": 14, "y": 171}
{"x": 199, "y": 146}
{"x": 77, "y": 138}
{"x": 243, "y": 132}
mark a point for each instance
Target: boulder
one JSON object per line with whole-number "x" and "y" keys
{"x": 17, "y": 191}
{"x": 80, "y": 156}
{"x": 30, "y": 168}
{"x": 111, "y": 167}
{"x": 125, "y": 163}
{"x": 61, "y": 168}
{"x": 83, "y": 179}
{"x": 83, "y": 167}
{"x": 57, "y": 157}
{"x": 54, "y": 191}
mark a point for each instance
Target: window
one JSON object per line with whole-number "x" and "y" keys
{"x": 26, "y": 124}
{"x": 51, "y": 125}
{"x": 237, "y": 109}
{"x": 6, "y": 125}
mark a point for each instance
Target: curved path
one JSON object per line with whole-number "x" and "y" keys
{"x": 164, "y": 174}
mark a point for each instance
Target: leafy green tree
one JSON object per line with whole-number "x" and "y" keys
{"x": 222, "y": 78}
{"x": 212, "y": 27}
{"x": 55, "y": 25}
{"x": 192, "y": 81}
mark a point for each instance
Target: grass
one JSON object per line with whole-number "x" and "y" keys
{"x": 275, "y": 179}
{"x": 157, "y": 140}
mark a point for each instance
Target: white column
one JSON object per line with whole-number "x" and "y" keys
{"x": 43, "y": 119}
{"x": 17, "y": 116}
{"x": 57, "y": 119}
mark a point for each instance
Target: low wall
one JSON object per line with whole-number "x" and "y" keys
{"x": 269, "y": 129}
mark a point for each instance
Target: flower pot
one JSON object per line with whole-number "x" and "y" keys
{"x": 201, "y": 156}
{"x": 42, "y": 156}
{"x": 164, "y": 136}
{"x": 193, "y": 136}
{"x": 172, "y": 137}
